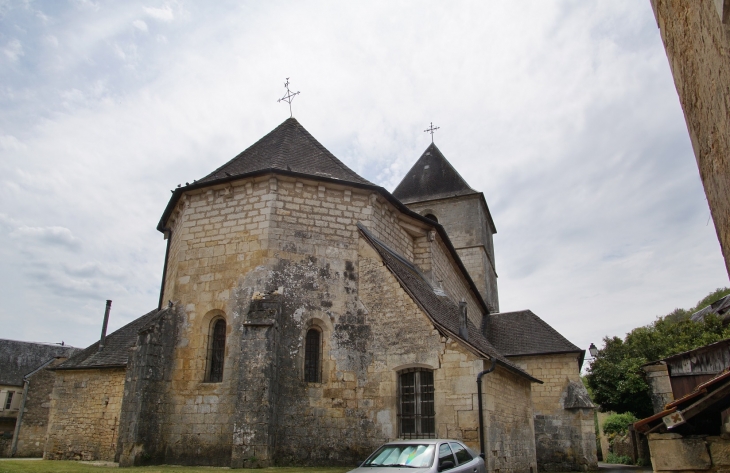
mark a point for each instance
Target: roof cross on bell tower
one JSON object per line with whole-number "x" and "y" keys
{"x": 289, "y": 96}
{"x": 432, "y": 129}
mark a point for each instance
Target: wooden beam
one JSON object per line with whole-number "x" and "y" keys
{"x": 707, "y": 401}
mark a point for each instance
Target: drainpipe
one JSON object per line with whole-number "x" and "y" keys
{"x": 102, "y": 340}
{"x": 481, "y": 409}
{"x": 168, "y": 234}
{"x": 19, "y": 420}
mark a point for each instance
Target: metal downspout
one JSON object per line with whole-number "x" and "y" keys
{"x": 26, "y": 385}
{"x": 481, "y": 408}
{"x": 19, "y": 420}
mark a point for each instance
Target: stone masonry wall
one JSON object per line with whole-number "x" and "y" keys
{"x": 565, "y": 438}
{"x": 32, "y": 435}
{"x": 697, "y": 42}
{"x": 466, "y": 221}
{"x": 84, "y": 415}
{"x": 296, "y": 240}
{"x": 510, "y": 433}
{"x": 445, "y": 270}
{"x": 146, "y": 406}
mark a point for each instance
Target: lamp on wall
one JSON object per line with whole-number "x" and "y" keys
{"x": 593, "y": 350}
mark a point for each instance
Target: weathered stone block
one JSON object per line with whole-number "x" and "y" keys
{"x": 673, "y": 452}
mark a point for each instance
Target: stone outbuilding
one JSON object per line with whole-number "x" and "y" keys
{"x": 25, "y": 390}
{"x": 308, "y": 315}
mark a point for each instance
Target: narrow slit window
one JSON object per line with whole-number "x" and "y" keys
{"x": 312, "y": 356}
{"x": 217, "y": 352}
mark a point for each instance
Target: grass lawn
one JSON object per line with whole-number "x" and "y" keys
{"x": 48, "y": 466}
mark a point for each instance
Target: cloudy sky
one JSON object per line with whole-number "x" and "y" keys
{"x": 563, "y": 113}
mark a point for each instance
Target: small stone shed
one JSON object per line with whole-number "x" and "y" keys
{"x": 690, "y": 430}
{"x": 25, "y": 387}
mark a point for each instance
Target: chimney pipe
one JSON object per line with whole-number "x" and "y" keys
{"x": 463, "y": 324}
{"x": 106, "y": 322}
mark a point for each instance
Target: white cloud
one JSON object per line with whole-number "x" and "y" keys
{"x": 569, "y": 124}
{"x": 140, "y": 25}
{"x": 163, "y": 14}
{"x": 57, "y": 236}
{"x": 13, "y": 49}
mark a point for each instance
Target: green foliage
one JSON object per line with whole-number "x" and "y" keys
{"x": 615, "y": 378}
{"x": 618, "y": 459}
{"x": 618, "y": 423}
{"x": 681, "y": 314}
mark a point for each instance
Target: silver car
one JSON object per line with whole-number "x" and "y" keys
{"x": 426, "y": 455}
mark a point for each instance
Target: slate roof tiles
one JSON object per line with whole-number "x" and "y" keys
{"x": 116, "y": 349}
{"x": 18, "y": 359}
{"x": 442, "y": 310}
{"x": 524, "y": 333}
{"x": 289, "y": 147}
{"x": 432, "y": 177}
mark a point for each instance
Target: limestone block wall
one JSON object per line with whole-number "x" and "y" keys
{"x": 295, "y": 239}
{"x": 84, "y": 415}
{"x": 146, "y": 405}
{"x": 657, "y": 377}
{"x": 509, "y": 428}
{"x": 673, "y": 452}
{"x": 565, "y": 438}
{"x": 467, "y": 223}
{"x": 32, "y": 434}
{"x": 696, "y": 37}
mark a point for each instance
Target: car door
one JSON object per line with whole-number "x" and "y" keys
{"x": 465, "y": 462}
{"x": 446, "y": 455}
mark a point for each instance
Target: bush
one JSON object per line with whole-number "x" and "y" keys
{"x": 618, "y": 459}
{"x": 618, "y": 424}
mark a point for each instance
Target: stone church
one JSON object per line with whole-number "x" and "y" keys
{"x": 308, "y": 315}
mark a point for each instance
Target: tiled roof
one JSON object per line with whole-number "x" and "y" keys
{"x": 524, "y": 333}
{"x": 289, "y": 147}
{"x": 116, "y": 347}
{"x": 442, "y": 310}
{"x": 432, "y": 177}
{"x": 18, "y": 359}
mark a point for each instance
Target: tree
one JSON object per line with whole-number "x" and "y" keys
{"x": 615, "y": 376}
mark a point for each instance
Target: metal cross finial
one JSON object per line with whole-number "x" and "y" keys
{"x": 431, "y": 130}
{"x": 288, "y": 97}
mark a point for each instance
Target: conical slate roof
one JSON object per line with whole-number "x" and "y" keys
{"x": 432, "y": 177}
{"x": 289, "y": 147}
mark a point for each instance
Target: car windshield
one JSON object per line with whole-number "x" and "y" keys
{"x": 409, "y": 456}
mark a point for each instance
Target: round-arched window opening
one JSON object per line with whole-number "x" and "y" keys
{"x": 432, "y": 217}
{"x": 216, "y": 351}
{"x": 313, "y": 356}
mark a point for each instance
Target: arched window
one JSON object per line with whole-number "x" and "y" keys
{"x": 432, "y": 217}
{"x": 216, "y": 351}
{"x": 312, "y": 356}
{"x": 416, "y": 414}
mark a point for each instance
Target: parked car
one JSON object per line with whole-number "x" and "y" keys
{"x": 427, "y": 455}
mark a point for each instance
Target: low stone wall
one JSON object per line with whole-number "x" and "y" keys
{"x": 84, "y": 415}
{"x": 672, "y": 452}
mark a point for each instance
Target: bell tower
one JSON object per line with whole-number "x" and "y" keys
{"x": 434, "y": 189}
